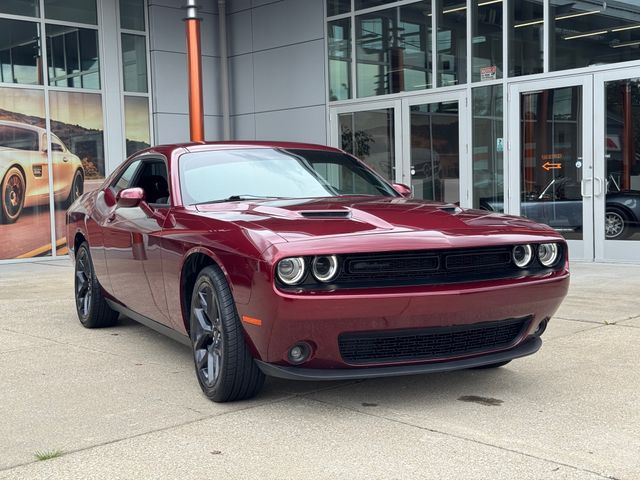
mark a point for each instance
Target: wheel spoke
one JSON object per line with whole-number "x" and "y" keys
{"x": 201, "y": 358}
{"x": 203, "y": 322}
{"x": 210, "y": 367}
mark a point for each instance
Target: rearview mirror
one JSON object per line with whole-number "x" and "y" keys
{"x": 130, "y": 197}
{"x": 402, "y": 189}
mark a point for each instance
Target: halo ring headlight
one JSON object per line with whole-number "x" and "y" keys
{"x": 548, "y": 254}
{"x": 291, "y": 270}
{"x": 522, "y": 255}
{"x": 325, "y": 267}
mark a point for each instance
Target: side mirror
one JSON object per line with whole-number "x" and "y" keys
{"x": 130, "y": 197}
{"x": 402, "y": 189}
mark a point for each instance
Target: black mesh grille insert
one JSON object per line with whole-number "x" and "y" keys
{"x": 430, "y": 343}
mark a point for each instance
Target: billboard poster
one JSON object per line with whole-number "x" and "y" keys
{"x": 25, "y": 226}
{"x": 77, "y": 165}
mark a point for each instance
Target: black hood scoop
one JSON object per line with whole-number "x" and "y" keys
{"x": 320, "y": 214}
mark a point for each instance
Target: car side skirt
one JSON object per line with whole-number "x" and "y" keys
{"x": 152, "y": 324}
{"x": 527, "y": 347}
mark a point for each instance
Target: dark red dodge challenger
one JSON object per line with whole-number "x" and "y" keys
{"x": 298, "y": 261}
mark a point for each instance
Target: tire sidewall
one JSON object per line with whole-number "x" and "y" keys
{"x": 84, "y": 248}
{"x": 205, "y": 277}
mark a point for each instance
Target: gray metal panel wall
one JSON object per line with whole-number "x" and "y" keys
{"x": 169, "y": 70}
{"x": 276, "y": 69}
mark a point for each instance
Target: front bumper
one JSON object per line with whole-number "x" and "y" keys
{"x": 528, "y": 347}
{"x": 320, "y": 319}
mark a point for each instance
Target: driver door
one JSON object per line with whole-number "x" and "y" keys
{"x": 132, "y": 242}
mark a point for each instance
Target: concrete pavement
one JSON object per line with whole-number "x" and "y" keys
{"x": 123, "y": 402}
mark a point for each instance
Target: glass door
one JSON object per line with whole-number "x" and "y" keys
{"x": 435, "y": 161}
{"x": 551, "y": 176}
{"x": 617, "y": 166}
{"x": 370, "y": 132}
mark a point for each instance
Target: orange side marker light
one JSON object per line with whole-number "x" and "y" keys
{"x": 251, "y": 320}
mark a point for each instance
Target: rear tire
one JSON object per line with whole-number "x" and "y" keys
{"x": 93, "y": 310}
{"x": 491, "y": 365}
{"x": 224, "y": 366}
{"x": 77, "y": 189}
{"x": 13, "y": 191}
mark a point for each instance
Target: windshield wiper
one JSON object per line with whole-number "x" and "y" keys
{"x": 238, "y": 198}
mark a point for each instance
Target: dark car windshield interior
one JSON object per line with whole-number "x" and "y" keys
{"x": 150, "y": 175}
{"x": 274, "y": 173}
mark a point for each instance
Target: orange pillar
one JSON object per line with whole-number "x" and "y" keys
{"x": 194, "y": 70}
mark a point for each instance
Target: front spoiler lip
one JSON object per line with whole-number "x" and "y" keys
{"x": 528, "y": 347}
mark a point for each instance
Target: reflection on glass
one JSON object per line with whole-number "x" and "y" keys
{"x": 72, "y": 57}
{"x": 134, "y": 63}
{"x": 435, "y": 152}
{"x": 336, "y": 7}
{"x": 593, "y": 33}
{"x": 622, "y": 147}
{"x": 24, "y": 175}
{"x": 393, "y": 50}
{"x": 339, "y": 48}
{"x": 526, "y": 24}
{"x": 551, "y": 159}
{"x": 488, "y": 148}
{"x": 362, "y": 4}
{"x": 451, "y": 23}
{"x": 136, "y": 123}
{"x": 370, "y": 137}
{"x": 486, "y": 40}
{"x": 132, "y": 14}
{"x": 77, "y": 142}
{"x": 30, "y": 8}
{"x": 20, "y": 60}
{"x": 80, "y": 11}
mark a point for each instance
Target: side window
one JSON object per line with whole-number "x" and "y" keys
{"x": 125, "y": 179}
{"x": 153, "y": 179}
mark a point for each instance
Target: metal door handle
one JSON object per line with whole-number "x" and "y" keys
{"x": 600, "y": 183}
{"x": 583, "y": 190}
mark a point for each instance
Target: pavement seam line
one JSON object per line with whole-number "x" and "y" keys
{"x": 149, "y": 432}
{"x": 460, "y": 437}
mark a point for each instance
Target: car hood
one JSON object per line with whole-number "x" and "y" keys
{"x": 319, "y": 220}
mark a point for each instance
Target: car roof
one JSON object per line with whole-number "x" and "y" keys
{"x": 211, "y": 146}
{"x": 26, "y": 126}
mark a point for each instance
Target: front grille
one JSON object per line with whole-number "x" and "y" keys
{"x": 430, "y": 343}
{"x": 426, "y": 267}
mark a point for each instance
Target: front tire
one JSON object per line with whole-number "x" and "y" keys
{"x": 93, "y": 310}
{"x": 224, "y": 366}
{"x": 13, "y": 194}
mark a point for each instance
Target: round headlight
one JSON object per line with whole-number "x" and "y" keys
{"x": 291, "y": 270}
{"x": 325, "y": 267}
{"x": 548, "y": 254}
{"x": 522, "y": 255}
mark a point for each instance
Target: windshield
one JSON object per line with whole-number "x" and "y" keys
{"x": 228, "y": 175}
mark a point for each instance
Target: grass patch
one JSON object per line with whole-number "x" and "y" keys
{"x": 42, "y": 455}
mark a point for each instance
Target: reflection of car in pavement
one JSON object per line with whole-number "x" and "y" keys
{"x": 24, "y": 170}
{"x": 560, "y": 206}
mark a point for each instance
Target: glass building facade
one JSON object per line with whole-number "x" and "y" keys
{"x": 58, "y": 76}
{"x": 525, "y": 107}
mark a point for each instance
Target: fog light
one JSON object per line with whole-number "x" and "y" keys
{"x": 299, "y": 353}
{"x": 548, "y": 254}
{"x": 522, "y": 255}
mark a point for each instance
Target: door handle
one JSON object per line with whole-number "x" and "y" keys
{"x": 584, "y": 191}
{"x": 65, "y": 159}
{"x": 600, "y": 184}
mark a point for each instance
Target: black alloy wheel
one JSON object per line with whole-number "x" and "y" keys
{"x": 13, "y": 195}
{"x": 93, "y": 310}
{"x": 224, "y": 366}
